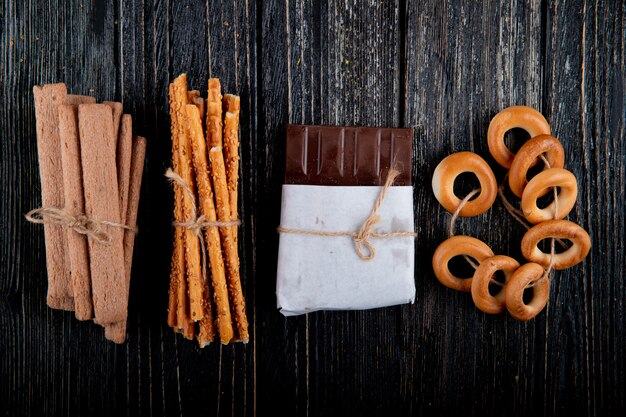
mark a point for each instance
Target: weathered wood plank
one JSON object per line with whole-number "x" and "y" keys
{"x": 584, "y": 100}
{"x": 280, "y": 360}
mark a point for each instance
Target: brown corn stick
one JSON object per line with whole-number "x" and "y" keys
{"x": 206, "y": 333}
{"x": 172, "y": 305}
{"x": 182, "y": 146}
{"x": 47, "y": 100}
{"x": 206, "y": 327}
{"x": 182, "y": 304}
{"x": 231, "y": 155}
{"x": 212, "y": 235}
{"x": 201, "y": 105}
{"x": 176, "y": 275}
{"x": 117, "y": 109}
{"x": 176, "y": 315}
{"x": 97, "y": 142}
{"x": 193, "y": 97}
{"x": 231, "y": 152}
{"x": 192, "y": 94}
{"x": 64, "y": 303}
{"x": 124, "y": 161}
{"x": 214, "y": 113}
{"x": 189, "y": 330}
{"x": 117, "y": 331}
{"x": 218, "y": 173}
{"x": 232, "y": 103}
{"x": 78, "y": 99}
{"x": 77, "y": 245}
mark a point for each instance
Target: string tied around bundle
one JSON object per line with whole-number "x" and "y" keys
{"x": 80, "y": 223}
{"x": 196, "y": 223}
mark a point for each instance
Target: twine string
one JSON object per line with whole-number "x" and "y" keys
{"x": 456, "y": 213}
{"x": 195, "y": 223}
{"x": 453, "y": 219}
{"x": 80, "y": 223}
{"x": 455, "y": 216}
{"x": 519, "y": 216}
{"x": 361, "y": 238}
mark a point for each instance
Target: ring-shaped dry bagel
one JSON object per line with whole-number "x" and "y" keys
{"x": 514, "y": 292}
{"x": 539, "y": 185}
{"x": 455, "y": 246}
{"x": 562, "y": 229}
{"x": 492, "y": 304}
{"x": 522, "y": 117}
{"x": 451, "y": 167}
{"x": 528, "y": 156}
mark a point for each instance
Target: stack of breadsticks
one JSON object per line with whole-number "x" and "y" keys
{"x": 205, "y": 175}
{"x": 91, "y": 167}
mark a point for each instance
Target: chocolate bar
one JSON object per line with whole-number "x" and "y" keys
{"x": 333, "y": 191}
{"x": 336, "y": 155}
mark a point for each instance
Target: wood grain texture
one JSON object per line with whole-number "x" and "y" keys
{"x": 444, "y": 68}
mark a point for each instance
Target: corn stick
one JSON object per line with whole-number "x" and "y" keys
{"x": 76, "y": 99}
{"x": 206, "y": 333}
{"x": 124, "y": 160}
{"x": 218, "y": 173}
{"x": 177, "y": 300}
{"x": 182, "y": 165}
{"x": 47, "y": 99}
{"x": 201, "y": 105}
{"x": 177, "y": 274}
{"x": 189, "y": 330}
{"x": 78, "y": 248}
{"x": 231, "y": 154}
{"x": 110, "y": 300}
{"x": 182, "y": 303}
{"x": 116, "y": 332}
{"x": 117, "y": 109}
{"x": 212, "y": 235}
{"x": 214, "y": 113}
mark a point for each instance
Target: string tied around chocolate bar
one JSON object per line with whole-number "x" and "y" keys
{"x": 361, "y": 238}
{"x": 80, "y": 223}
{"x": 196, "y": 223}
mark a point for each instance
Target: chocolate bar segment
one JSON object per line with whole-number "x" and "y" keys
{"x": 337, "y": 155}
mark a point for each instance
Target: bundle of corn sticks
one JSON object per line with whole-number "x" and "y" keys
{"x": 205, "y": 303}
{"x": 91, "y": 168}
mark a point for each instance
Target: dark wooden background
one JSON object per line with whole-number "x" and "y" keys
{"x": 444, "y": 68}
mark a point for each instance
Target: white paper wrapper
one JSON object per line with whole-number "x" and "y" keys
{"x": 326, "y": 273}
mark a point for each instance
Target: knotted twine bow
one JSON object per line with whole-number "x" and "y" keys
{"x": 196, "y": 223}
{"x": 362, "y": 237}
{"x": 80, "y": 223}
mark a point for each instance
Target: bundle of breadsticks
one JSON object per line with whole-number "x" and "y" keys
{"x": 91, "y": 168}
{"x": 205, "y": 302}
